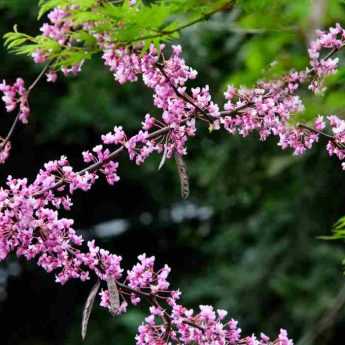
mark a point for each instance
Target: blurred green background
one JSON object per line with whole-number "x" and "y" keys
{"x": 247, "y": 240}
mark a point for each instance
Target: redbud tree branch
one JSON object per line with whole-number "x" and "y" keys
{"x": 197, "y": 114}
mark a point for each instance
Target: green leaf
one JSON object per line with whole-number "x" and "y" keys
{"x": 47, "y": 5}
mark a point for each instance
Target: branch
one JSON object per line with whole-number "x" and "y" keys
{"x": 199, "y": 112}
{"x": 323, "y": 134}
{"x": 95, "y": 166}
{"x": 182, "y": 27}
{"x": 326, "y": 320}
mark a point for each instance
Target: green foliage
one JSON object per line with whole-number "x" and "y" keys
{"x": 153, "y": 23}
{"x": 255, "y": 6}
{"x": 47, "y": 5}
{"x": 338, "y": 230}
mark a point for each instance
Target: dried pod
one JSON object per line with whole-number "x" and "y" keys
{"x": 88, "y": 308}
{"x": 183, "y": 175}
{"x": 114, "y": 296}
{"x": 164, "y": 157}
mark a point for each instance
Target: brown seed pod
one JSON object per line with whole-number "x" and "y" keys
{"x": 88, "y": 308}
{"x": 183, "y": 175}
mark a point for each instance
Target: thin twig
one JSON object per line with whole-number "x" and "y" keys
{"x": 180, "y": 28}
{"x": 34, "y": 83}
{"x": 326, "y": 320}
{"x": 311, "y": 129}
{"x": 323, "y": 134}
{"x": 16, "y": 120}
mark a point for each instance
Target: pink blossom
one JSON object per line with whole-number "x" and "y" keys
{"x": 51, "y": 76}
{"x": 15, "y": 96}
{"x": 39, "y": 57}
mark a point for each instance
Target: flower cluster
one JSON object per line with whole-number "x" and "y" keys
{"x": 102, "y": 157}
{"x": 32, "y": 229}
{"x": 59, "y": 29}
{"x": 16, "y": 96}
{"x": 5, "y": 152}
{"x": 208, "y": 326}
{"x": 165, "y": 81}
{"x": 59, "y": 26}
{"x": 334, "y": 39}
{"x": 268, "y": 109}
{"x": 337, "y": 146}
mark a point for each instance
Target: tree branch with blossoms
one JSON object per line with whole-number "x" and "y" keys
{"x": 16, "y": 96}
{"x": 30, "y": 224}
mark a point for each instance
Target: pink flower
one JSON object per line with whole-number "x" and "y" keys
{"x": 5, "y": 152}
{"x": 51, "y": 76}
{"x": 16, "y": 96}
{"x": 39, "y": 57}
{"x": 320, "y": 123}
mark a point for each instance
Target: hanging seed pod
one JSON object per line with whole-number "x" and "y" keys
{"x": 114, "y": 296}
{"x": 88, "y": 308}
{"x": 164, "y": 157}
{"x": 183, "y": 175}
